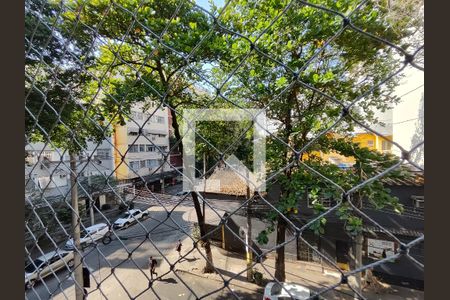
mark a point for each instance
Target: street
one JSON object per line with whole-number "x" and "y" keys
{"x": 120, "y": 270}
{"x": 164, "y": 232}
{"x": 130, "y": 276}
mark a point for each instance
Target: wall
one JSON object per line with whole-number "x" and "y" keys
{"x": 408, "y": 120}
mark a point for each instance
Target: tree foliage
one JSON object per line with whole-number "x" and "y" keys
{"x": 289, "y": 59}
{"x": 58, "y": 92}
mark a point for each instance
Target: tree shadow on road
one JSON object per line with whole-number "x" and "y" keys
{"x": 168, "y": 280}
{"x": 226, "y": 294}
{"x": 189, "y": 259}
{"x": 230, "y": 274}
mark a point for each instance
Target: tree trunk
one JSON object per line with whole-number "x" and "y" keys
{"x": 249, "y": 236}
{"x": 280, "y": 274}
{"x": 358, "y": 243}
{"x": 78, "y": 268}
{"x": 357, "y": 256}
{"x": 209, "y": 267}
{"x": 281, "y": 224}
{"x": 176, "y": 130}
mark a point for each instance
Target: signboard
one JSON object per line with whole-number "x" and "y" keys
{"x": 379, "y": 249}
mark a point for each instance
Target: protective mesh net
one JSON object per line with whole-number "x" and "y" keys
{"x": 106, "y": 86}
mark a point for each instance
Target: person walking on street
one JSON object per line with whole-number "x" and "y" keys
{"x": 178, "y": 248}
{"x": 152, "y": 266}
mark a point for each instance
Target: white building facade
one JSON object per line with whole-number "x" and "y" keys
{"x": 143, "y": 141}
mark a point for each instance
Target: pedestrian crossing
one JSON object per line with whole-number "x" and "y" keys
{"x": 157, "y": 199}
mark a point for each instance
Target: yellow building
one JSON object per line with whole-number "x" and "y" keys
{"x": 364, "y": 139}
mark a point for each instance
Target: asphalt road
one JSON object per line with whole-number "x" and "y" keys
{"x": 130, "y": 276}
{"x": 164, "y": 233}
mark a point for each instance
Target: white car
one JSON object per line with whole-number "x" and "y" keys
{"x": 276, "y": 291}
{"x": 89, "y": 236}
{"x": 47, "y": 264}
{"x": 129, "y": 218}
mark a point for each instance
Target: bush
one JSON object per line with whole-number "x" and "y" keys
{"x": 64, "y": 215}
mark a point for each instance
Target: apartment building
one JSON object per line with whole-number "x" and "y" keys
{"x": 143, "y": 142}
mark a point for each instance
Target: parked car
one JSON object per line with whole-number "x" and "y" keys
{"x": 276, "y": 291}
{"x": 129, "y": 218}
{"x": 46, "y": 264}
{"x": 89, "y": 236}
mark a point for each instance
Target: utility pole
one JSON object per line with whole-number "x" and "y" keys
{"x": 249, "y": 234}
{"x": 204, "y": 172}
{"x": 91, "y": 203}
{"x": 162, "y": 177}
{"x": 78, "y": 268}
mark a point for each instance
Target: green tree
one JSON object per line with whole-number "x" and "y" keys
{"x": 287, "y": 66}
{"x": 146, "y": 52}
{"x": 58, "y": 96}
{"x": 144, "y": 49}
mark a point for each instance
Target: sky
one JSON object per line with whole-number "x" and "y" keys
{"x": 205, "y": 3}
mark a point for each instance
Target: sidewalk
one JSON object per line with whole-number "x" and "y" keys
{"x": 304, "y": 273}
{"x": 311, "y": 275}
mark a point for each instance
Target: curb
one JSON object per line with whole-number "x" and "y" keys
{"x": 215, "y": 279}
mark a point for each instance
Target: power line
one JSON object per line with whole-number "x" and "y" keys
{"x": 409, "y": 92}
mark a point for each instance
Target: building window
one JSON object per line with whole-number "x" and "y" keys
{"x": 133, "y": 148}
{"x": 152, "y": 163}
{"x": 142, "y": 164}
{"x": 370, "y": 143}
{"x": 157, "y": 119}
{"x": 137, "y": 115}
{"x": 46, "y": 154}
{"x": 150, "y": 148}
{"x": 103, "y": 153}
{"x": 141, "y": 148}
{"x": 134, "y": 165}
{"x": 385, "y": 145}
{"x": 418, "y": 201}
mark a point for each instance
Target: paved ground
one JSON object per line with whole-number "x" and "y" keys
{"x": 131, "y": 276}
{"x": 164, "y": 232}
{"x": 121, "y": 276}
